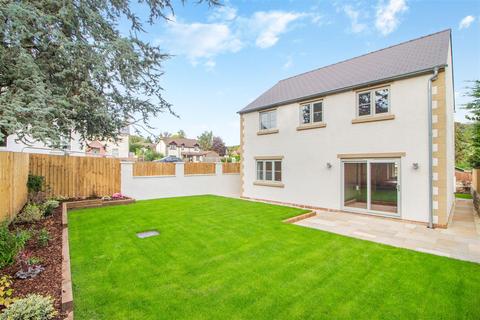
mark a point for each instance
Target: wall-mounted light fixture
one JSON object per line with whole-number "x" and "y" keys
{"x": 329, "y": 165}
{"x": 415, "y": 166}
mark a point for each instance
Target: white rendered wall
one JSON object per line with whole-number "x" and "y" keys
{"x": 142, "y": 188}
{"x": 306, "y": 177}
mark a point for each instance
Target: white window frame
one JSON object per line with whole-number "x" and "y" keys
{"x": 270, "y": 112}
{"x": 310, "y": 105}
{"x": 172, "y": 147}
{"x": 372, "y": 102}
{"x": 264, "y": 170}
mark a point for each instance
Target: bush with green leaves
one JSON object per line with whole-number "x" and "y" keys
{"x": 32, "y": 307}
{"x": 48, "y": 206}
{"x": 30, "y": 213}
{"x": 43, "y": 237}
{"x": 34, "y": 183}
{"x": 11, "y": 243}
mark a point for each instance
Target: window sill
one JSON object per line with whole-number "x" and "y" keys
{"x": 373, "y": 118}
{"x": 267, "y": 131}
{"x": 311, "y": 126}
{"x": 269, "y": 184}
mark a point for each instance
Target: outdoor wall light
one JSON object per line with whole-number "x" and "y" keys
{"x": 415, "y": 166}
{"x": 329, "y": 165}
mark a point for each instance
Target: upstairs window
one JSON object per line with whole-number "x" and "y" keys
{"x": 311, "y": 112}
{"x": 268, "y": 120}
{"x": 173, "y": 147}
{"x": 373, "y": 102}
{"x": 269, "y": 170}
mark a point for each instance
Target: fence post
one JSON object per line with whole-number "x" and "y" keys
{"x": 218, "y": 168}
{"x": 179, "y": 169}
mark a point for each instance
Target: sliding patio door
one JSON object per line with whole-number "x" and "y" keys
{"x": 371, "y": 186}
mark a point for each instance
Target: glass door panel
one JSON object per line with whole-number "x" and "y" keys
{"x": 355, "y": 185}
{"x": 383, "y": 187}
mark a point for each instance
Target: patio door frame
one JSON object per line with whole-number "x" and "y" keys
{"x": 368, "y": 209}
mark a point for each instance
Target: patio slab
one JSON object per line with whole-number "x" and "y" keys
{"x": 460, "y": 241}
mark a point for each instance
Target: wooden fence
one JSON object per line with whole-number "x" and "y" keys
{"x": 199, "y": 168}
{"x": 74, "y": 177}
{"x": 142, "y": 169}
{"x": 231, "y": 167}
{"x": 13, "y": 183}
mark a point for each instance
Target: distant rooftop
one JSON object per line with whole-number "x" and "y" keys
{"x": 407, "y": 58}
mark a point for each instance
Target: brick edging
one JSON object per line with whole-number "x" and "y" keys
{"x": 67, "y": 292}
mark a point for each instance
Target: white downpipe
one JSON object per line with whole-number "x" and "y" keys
{"x": 430, "y": 149}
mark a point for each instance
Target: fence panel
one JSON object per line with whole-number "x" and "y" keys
{"x": 142, "y": 169}
{"x": 476, "y": 179}
{"x": 77, "y": 177}
{"x": 13, "y": 183}
{"x": 199, "y": 168}
{"x": 231, "y": 167}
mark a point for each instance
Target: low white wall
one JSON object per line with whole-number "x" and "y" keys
{"x": 154, "y": 187}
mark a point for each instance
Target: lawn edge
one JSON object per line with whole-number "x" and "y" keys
{"x": 300, "y": 217}
{"x": 67, "y": 289}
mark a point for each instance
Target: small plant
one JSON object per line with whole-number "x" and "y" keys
{"x": 6, "y": 292}
{"x": 43, "y": 237}
{"x": 117, "y": 196}
{"x": 30, "y": 213}
{"x": 11, "y": 243}
{"x": 29, "y": 266}
{"x": 32, "y": 307}
{"x": 48, "y": 206}
{"x": 34, "y": 261}
{"x": 34, "y": 183}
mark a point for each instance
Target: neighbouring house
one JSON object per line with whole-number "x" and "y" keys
{"x": 186, "y": 149}
{"x": 119, "y": 149}
{"x": 373, "y": 134}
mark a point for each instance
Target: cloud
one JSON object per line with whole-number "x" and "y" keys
{"x": 270, "y": 25}
{"x": 466, "y": 22}
{"x": 201, "y": 40}
{"x": 387, "y": 19}
{"x": 289, "y": 63}
{"x": 353, "y": 14}
{"x": 227, "y": 32}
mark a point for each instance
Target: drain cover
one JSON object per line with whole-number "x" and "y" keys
{"x": 148, "y": 234}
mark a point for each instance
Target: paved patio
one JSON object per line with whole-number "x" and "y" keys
{"x": 460, "y": 241}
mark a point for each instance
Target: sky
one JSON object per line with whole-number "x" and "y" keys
{"x": 225, "y": 57}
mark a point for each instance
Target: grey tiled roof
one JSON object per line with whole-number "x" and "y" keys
{"x": 411, "y": 57}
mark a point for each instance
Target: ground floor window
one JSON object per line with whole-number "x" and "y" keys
{"x": 269, "y": 170}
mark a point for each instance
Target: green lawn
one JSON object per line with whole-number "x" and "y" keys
{"x": 221, "y": 258}
{"x": 463, "y": 195}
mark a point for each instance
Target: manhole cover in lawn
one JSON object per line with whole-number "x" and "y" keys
{"x": 148, "y": 234}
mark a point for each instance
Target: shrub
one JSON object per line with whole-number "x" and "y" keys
{"x": 30, "y": 213}
{"x": 32, "y": 307}
{"x": 34, "y": 183}
{"x": 11, "y": 243}
{"x": 43, "y": 237}
{"x": 5, "y": 291}
{"x": 49, "y": 205}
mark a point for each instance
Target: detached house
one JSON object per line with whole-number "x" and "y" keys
{"x": 187, "y": 149}
{"x": 372, "y": 135}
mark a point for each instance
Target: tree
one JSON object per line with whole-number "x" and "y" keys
{"x": 66, "y": 67}
{"x": 180, "y": 134}
{"x": 218, "y": 146}
{"x": 463, "y": 144}
{"x": 474, "y": 105}
{"x": 205, "y": 140}
{"x": 474, "y": 108}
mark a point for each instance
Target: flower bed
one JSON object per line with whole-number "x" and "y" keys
{"x": 49, "y": 281}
